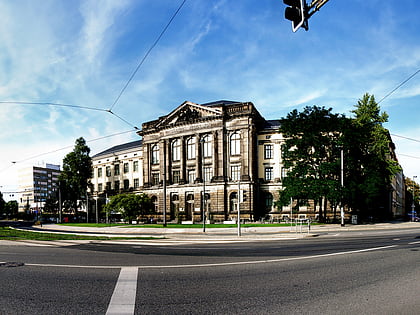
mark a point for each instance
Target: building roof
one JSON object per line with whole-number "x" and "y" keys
{"x": 120, "y": 148}
{"x": 272, "y": 124}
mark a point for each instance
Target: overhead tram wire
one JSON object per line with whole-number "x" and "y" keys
{"x": 71, "y": 106}
{"x": 53, "y": 104}
{"x": 146, "y": 55}
{"x": 64, "y": 148}
{"x": 400, "y": 85}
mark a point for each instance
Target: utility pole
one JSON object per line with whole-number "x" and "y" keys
{"x": 342, "y": 187}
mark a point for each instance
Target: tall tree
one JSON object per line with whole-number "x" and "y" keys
{"x": 369, "y": 158}
{"x": 2, "y": 203}
{"x": 311, "y": 154}
{"x": 77, "y": 170}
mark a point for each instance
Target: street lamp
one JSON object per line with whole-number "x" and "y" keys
{"x": 202, "y": 141}
{"x": 413, "y": 206}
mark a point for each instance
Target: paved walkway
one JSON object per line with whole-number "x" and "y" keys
{"x": 222, "y": 234}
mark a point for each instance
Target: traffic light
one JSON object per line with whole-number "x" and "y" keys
{"x": 296, "y": 12}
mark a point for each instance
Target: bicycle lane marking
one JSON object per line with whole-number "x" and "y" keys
{"x": 123, "y": 299}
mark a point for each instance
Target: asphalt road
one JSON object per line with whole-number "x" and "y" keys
{"x": 370, "y": 272}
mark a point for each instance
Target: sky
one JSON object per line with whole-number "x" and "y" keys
{"x": 83, "y": 54}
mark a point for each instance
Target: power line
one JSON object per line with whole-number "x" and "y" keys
{"x": 72, "y": 106}
{"x": 63, "y": 148}
{"x": 146, "y": 55}
{"x": 411, "y": 139}
{"x": 400, "y": 85}
{"x": 52, "y": 104}
{"x": 410, "y": 156}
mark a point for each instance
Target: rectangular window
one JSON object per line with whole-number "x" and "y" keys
{"x": 268, "y": 151}
{"x": 191, "y": 176}
{"x": 136, "y": 183}
{"x": 235, "y": 172}
{"x": 117, "y": 169}
{"x": 108, "y": 171}
{"x": 175, "y": 177}
{"x": 208, "y": 173}
{"x": 99, "y": 172}
{"x": 268, "y": 173}
{"x": 117, "y": 185}
{"x": 126, "y": 169}
{"x": 135, "y": 166}
{"x": 108, "y": 186}
{"x": 283, "y": 173}
{"x": 126, "y": 184}
{"x": 100, "y": 187}
{"x": 155, "y": 179}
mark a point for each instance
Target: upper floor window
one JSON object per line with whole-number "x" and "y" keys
{"x": 117, "y": 169}
{"x": 208, "y": 173}
{"x": 155, "y": 179}
{"x": 207, "y": 147}
{"x": 176, "y": 175}
{"x": 99, "y": 172}
{"x": 268, "y": 173}
{"x": 155, "y": 154}
{"x": 126, "y": 169}
{"x": 191, "y": 176}
{"x": 176, "y": 150}
{"x": 235, "y": 172}
{"x": 135, "y": 166}
{"x": 191, "y": 148}
{"x": 235, "y": 144}
{"x": 268, "y": 151}
{"x": 108, "y": 171}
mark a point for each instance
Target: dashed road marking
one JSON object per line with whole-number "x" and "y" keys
{"x": 123, "y": 299}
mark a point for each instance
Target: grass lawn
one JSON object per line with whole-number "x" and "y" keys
{"x": 7, "y": 233}
{"x": 180, "y": 226}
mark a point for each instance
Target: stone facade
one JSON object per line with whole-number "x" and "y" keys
{"x": 217, "y": 150}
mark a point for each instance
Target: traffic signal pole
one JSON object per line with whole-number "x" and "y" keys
{"x": 299, "y": 12}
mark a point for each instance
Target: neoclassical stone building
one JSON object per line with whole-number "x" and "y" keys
{"x": 215, "y": 148}
{"x": 221, "y": 150}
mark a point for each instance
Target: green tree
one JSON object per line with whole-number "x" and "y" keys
{"x": 77, "y": 170}
{"x": 2, "y": 203}
{"x": 311, "y": 155}
{"x": 130, "y": 206}
{"x": 11, "y": 209}
{"x": 369, "y": 159}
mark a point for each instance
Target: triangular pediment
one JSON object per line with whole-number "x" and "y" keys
{"x": 188, "y": 112}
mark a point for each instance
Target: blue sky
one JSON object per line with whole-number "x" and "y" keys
{"x": 83, "y": 52}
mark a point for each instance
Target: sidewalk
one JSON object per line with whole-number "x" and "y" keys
{"x": 222, "y": 234}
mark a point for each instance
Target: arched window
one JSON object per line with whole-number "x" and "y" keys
{"x": 191, "y": 148}
{"x": 207, "y": 147}
{"x": 176, "y": 150}
{"x": 235, "y": 144}
{"x": 155, "y": 154}
{"x": 233, "y": 202}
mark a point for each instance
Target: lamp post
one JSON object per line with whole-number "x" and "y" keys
{"x": 239, "y": 201}
{"x": 342, "y": 187}
{"x": 413, "y": 206}
{"x": 202, "y": 141}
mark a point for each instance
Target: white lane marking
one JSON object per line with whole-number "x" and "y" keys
{"x": 412, "y": 243}
{"x": 222, "y": 263}
{"x": 124, "y": 297}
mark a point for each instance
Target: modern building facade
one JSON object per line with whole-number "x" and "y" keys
{"x": 36, "y": 185}
{"x": 203, "y": 159}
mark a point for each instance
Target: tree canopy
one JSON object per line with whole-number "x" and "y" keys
{"x": 76, "y": 173}
{"x": 315, "y": 138}
{"x": 131, "y": 206}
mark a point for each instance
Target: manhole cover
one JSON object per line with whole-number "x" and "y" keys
{"x": 11, "y": 264}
